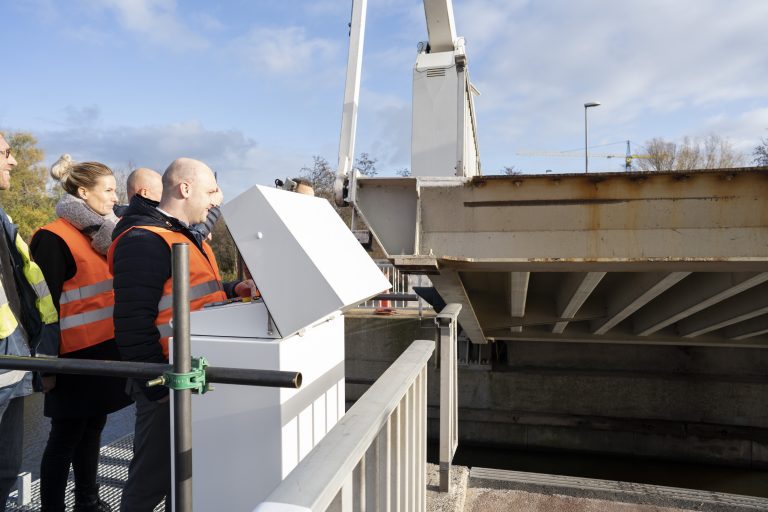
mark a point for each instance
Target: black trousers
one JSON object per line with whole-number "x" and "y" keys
{"x": 72, "y": 441}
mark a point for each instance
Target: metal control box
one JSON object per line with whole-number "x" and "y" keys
{"x": 309, "y": 268}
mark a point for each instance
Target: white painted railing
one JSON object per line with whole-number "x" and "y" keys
{"x": 447, "y": 327}
{"x": 375, "y": 457}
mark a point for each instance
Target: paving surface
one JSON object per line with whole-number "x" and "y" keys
{"x": 479, "y": 490}
{"x": 491, "y": 489}
{"x": 113, "y": 472}
{"x": 493, "y": 500}
{"x": 451, "y": 501}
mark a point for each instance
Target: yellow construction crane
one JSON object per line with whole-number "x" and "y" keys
{"x": 628, "y": 157}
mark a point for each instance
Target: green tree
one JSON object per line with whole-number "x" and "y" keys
{"x": 28, "y": 201}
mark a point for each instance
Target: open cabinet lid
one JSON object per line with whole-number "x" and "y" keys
{"x": 304, "y": 259}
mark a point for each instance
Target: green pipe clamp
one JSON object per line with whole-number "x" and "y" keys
{"x": 194, "y": 380}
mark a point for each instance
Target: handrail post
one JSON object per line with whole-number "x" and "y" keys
{"x": 182, "y": 398}
{"x": 447, "y": 327}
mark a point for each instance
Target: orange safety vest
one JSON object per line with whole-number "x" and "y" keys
{"x": 87, "y": 299}
{"x": 204, "y": 280}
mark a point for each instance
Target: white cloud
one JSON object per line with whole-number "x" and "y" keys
{"x": 744, "y": 129}
{"x": 208, "y": 22}
{"x": 156, "y": 21}
{"x": 237, "y": 158}
{"x": 384, "y": 130}
{"x": 87, "y": 116}
{"x": 284, "y": 50}
{"x": 659, "y": 68}
{"x": 45, "y": 10}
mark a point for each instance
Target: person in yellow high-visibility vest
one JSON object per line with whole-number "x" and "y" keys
{"x": 28, "y": 324}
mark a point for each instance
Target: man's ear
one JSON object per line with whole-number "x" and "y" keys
{"x": 184, "y": 189}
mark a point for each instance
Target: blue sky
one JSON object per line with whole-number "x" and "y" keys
{"x": 254, "y": 88}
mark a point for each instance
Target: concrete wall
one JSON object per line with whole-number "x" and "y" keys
{"x": 691, "y": 404}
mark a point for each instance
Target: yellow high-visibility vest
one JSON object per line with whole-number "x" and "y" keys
{"x": 43, "y": 300}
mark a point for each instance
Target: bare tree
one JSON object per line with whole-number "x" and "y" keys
{"x": 121, "y": 179}
{"x": 405, "y": 172}
{"x": 761, "y": 153}
{"x": 320, "y": 175}
{"x": 711, "y": 152}
{"x": 509, "y": 170}
{"x": 689, "y": 155}
{"x": 661, "y": 155}
{"x": 720, "y": 153}
{"x": 366, "y": 165}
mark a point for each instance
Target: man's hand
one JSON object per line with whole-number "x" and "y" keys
{"x": 49, "y": 383}
{"x": 247, "y": 288}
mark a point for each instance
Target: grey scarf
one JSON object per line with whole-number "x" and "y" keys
{"x": 98, "y": 227}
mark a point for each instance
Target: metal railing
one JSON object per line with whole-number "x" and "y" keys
{"x": 447, "y": 327}
{"x": 375, "y": 457}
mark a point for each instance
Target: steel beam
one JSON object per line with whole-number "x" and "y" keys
{"x": 743, "y": 307}
{"x": 755, "y": 341}
{"x": 518, "y": 293}
{"x": 637, "y": 218}
{"x": 575, "y": 290}
{"x": 450, "y": 287}
{"x": 748, "y": 329}
{"x": 637, "y": 291}
{"x": 699, "y": 292}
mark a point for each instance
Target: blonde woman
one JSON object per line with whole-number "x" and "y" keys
{"x": 71, "y": 253}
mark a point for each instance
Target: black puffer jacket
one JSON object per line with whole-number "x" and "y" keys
{"x": 142, "y": 265}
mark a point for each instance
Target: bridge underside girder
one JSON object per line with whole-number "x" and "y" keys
{"x": 661, "y": 258}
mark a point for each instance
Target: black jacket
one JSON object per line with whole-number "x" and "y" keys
{"x": 142, "y": 265}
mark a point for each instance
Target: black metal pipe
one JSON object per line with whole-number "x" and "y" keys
{"x": 85, "y": 367}
{"x": 405, "y": 297}
{"x": 182, "y": 398}
{"x": 267, "y": 378}
{"x": 145, "y": 371}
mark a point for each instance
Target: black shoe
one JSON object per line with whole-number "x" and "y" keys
{"x": 90, "y": 502}
{"x": 97, "y": 505}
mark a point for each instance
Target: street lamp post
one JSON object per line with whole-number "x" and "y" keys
{"x": 586, "y": 151}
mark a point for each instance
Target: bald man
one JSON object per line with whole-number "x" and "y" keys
{"x": 145, "y": 182}
{"x": 140, "y": 259}
{"x": 148, "y": 184}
